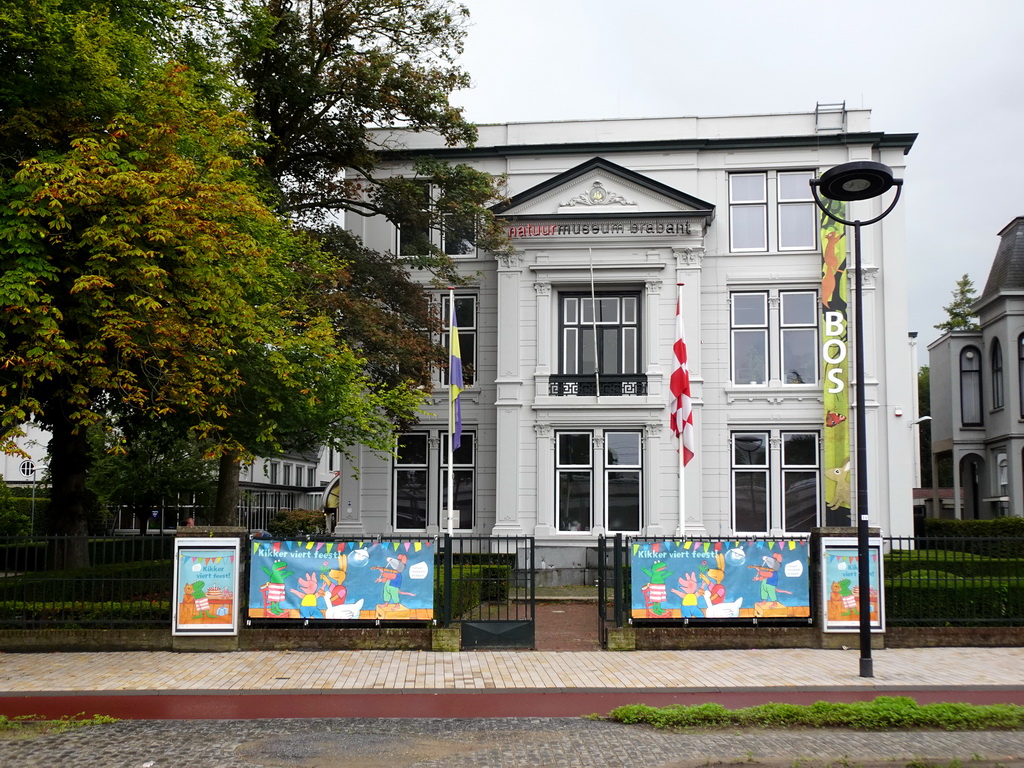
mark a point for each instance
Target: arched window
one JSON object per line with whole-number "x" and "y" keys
{"x": 997, "y": 374}
{"x": 970, "y": 387}
{"x": 1020, "y": 373}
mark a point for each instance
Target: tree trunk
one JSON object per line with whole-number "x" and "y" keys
{"x": 69, "y": 464}
{"x": 225, "y": 511}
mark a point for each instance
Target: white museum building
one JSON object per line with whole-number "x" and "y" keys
{"x": 568, "y": 340}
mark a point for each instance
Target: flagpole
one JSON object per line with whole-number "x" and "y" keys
{"x": 681, "y": 528}
{"x": 451, "y": 409}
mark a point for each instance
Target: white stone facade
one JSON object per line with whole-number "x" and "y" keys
{"x": 615, "y": 214}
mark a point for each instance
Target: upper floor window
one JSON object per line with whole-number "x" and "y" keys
{"x": 600, "y": 334}
{"x": 455, "y": 236}
{"x": 792, "y": 333}
{"x": 997, "y": 374}
{"x": 752, "y": 196}
{"x": 970, "y": 387}
{"x": 1020, "y": 373}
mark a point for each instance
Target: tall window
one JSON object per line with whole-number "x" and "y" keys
{"x": 748, "y": 212}
{"x": 997, "y": 374}
{"x": 410, "y": 482}
{"x": 1020, "y": 373}
{"x": 970, "y": 387}
{"x": 792, "y": 333}
{"x": 414, "y": 236}
{"x": 797, "y": 221}
{"x": 599, "y": 486}
{"x": 420, "y": 481}
{"x": 459, "y": 236}
{"x": 751, "y": 196}
{"x": 776, "y": 488}
{"x": 622, "y": 475}
{"x": 574, "y": 480}
{"x": 465, "y": 315}
{"x": 600, "y": 333}
{"x": 750, "y": 482}
{"x": 464, "y": 474}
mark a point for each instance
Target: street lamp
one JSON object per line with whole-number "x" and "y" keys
{"x": 849, "y": 182}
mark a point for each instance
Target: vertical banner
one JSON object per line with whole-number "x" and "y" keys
{"x": 727, "y": 579}
{"x": 205, "y": 587}
{"x": 387, "y": 580}
{"x": 840, "y": 599}
{"x": 835, "y": 353}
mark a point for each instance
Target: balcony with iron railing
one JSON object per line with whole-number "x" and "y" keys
{"x": 588, "y": 385}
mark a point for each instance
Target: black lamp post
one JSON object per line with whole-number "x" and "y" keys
{"x": 860, "y": 180}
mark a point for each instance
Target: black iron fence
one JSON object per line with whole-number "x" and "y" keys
{"x": 933, "y": 581}
{"x": 127, "y": 581}
{"x": 78, "y": 581}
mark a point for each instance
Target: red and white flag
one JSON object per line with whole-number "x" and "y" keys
{"x": 679, "y": 384}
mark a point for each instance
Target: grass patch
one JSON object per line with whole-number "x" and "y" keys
{"x": 36, "y": 725}
{"x": 882, "y": 714}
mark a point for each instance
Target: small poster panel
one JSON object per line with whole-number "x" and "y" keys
{"x": 720, "y": 579}
{"x": 840, "y": 568}
{"x": 388, "y": 580}
{"x": 205, "y": 587}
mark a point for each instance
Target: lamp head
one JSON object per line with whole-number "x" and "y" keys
{"x": 859, "y": 180}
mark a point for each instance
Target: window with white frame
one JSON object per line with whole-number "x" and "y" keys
{"x": 466, "y": 321}
{"x": 414, "y": 237}
{"x": 776, "y": 481}
{"x": 420, "y": 481}
{"x": 464, "y": 481}
{"x": 970, "y": 387}
{"x": 753, "y": 195}
{"x": 774, "y": 344}
{"x": 458, "y": 236}
{"x": 410, "y": 482}
{"x": 1020, "y": 373}
{"x": 600, "y": 333}
{"x": 599, "y": 480}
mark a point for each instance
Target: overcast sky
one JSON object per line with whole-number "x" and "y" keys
{"x": 951, "y": 72}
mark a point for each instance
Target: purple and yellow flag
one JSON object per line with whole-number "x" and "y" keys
{"x": 455, "y": 383}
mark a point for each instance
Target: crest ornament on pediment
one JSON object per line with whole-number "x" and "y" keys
{"x": 597, "y": 195}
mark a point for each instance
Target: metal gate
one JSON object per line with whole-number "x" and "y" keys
{"x": 488, "y": 588}
{"x": 611, "y": 584}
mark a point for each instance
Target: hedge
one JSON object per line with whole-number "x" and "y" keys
{"x": 943, "y": 601}
{"x": 957, "y": 563}
{"x": 100, "y": 584}
{"x": 18, "y": 554}
{"x": 67, "y": 614}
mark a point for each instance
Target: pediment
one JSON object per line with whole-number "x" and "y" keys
{"x": 601, "y": 188}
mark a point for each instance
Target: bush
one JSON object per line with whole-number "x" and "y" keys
{"x": 884, "y": 713}
{"x": 957, "y": 562}
{"x": 297, "y": 523}
{"x": 115, "y": 582}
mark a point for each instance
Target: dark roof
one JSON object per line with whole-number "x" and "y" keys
{"x": 1007, "y": 271}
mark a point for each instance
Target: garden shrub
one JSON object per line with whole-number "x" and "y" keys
{"x": 297, "y": 523}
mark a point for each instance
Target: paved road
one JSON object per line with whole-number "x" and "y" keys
{"x": 494, "y": 743}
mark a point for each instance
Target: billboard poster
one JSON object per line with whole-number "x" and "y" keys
{"x": 840, "y": 569}
{"x": 835, "y": 363}
{"x": 386, "y": 580}
{"x": 205, "y": 587}
{"x": 720, "y": 579}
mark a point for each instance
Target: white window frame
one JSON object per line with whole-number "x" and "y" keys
{"x": 775, "y": 471}
{"x": 777, "y": 335}
{"x": 398, "y": 466}
{"x": 576, "y": 321}
{"x": 599, "y": 469}
{"x": 467, "y": 518}
{"x": 797, "y": 203}
{"x": 803, "y": 203}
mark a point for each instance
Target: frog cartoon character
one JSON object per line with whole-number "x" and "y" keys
{"x": 202, "y": 601}
{"x": 274, "y": 589}
{"x": 654, "y": 591}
